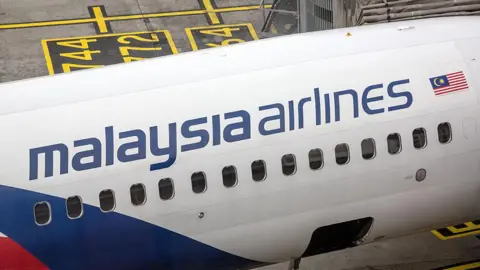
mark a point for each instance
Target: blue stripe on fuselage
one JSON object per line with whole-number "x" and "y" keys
{"x": 100, "y": 240}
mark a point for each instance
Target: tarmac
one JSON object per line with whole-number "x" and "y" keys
{"x": 39, "y": 38}
{"x": 422, "y": 251}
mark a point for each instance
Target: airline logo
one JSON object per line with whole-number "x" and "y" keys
{"x": 228, "y": 127}
{"x": 449, "y": 83}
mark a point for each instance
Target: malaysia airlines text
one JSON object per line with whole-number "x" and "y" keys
{"x": 206, "y": 131}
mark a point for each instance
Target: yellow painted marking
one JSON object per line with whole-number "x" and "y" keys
{"x": 470, "y": 227}
{"x": 156, "y": 15}
{"x": 48, "y": 23}
{"x": 128, "y": 59}
{"x": 77, "y": 44}
{"x": 252, "y": 31}
{"x": 226, "y": 42}
{"x": 48, "y": 58}
{"x": 191, "y": 39}
{"x": 222, "y": 32}
{"x": 102, "y": 25}
{"x": 441, "y": 237}
{"x": 108, "y": 35}
{"x": 193, "y": 43}
{"x": 124, "y": 50}
{"x": 128, "y": 17}
{"x": 243, "y": 8}
{"x": 170, "y": 42}
{"x": 85, "y": 55}
{"x": 123, "y": 39}
{"x": 464, "y": 267}
{"x": 82, "y": 43}
{"x": 211, "y": 12}
{"x": 67, "y": 67}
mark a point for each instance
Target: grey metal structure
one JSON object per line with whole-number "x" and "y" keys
{"x": 293, "y": 16}
{"x": 316, "y": 15}
{"x": 380, "y": 11}
{"x": 282, "y": 18}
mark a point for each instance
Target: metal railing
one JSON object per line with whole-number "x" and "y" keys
{"x": 282, "y": 18}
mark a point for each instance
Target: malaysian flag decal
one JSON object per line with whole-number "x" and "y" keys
{"x": 448, "y": 83}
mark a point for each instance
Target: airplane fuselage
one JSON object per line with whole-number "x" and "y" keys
{"x": 276, "y": 149}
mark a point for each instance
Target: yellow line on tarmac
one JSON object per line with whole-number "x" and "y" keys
{"x": 454, "y": 236}
{"x": 102, "y": 25}
{"x": 48, "y": 57}
{"x": 181, "y": 13}
{"x": 242, "y": 8}
{"x": 100, "y": 19}
{"x": 155, "y": 15}
{"x": 211, "y": 12}
{"x": 465, "y": 267}
{"x": 47, "y": 23}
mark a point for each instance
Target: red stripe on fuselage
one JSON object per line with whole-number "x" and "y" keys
{"x": 13, "y": 256}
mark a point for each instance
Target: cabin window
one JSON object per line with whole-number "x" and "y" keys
{"x": 368, "y": 148}
{"x": 259, "y": 170}
{"x": 107, "y": 200}
{"x": 229, "y": 175}
{"x": 315, "y": 158}
{"x": 74, "y": 207}
{"x": 444, "y": 133}
{"x": 289, "y": 165}
{"x": 199, "y": 182}
{"x": 42, "y": 213}
{"x": 394, "y": 143}
{"x": 342, "y": 154}
{"x": 137, "y": 194}
{"x": 419, "y": 138}
{"x": 165, "y": 188}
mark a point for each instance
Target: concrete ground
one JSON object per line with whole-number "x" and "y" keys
{"x": 44, "y": 37}
{"x": 415, "y": 252}
{"x": 41, "y": 37}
